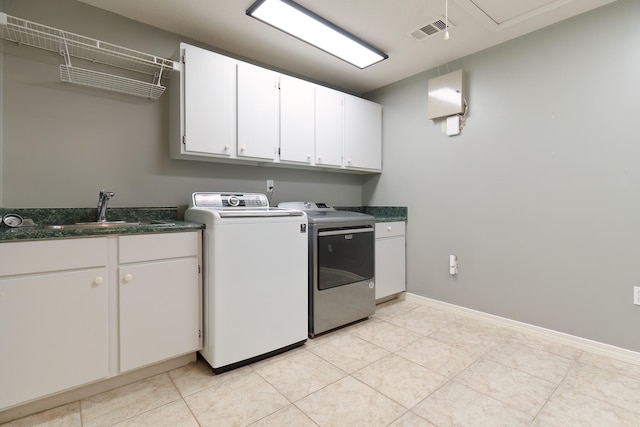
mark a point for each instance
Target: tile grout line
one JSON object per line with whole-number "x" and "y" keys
{"x": 182, "y": 397}
{"x": 555, "y": 390}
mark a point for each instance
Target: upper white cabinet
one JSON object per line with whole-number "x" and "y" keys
{"x": 258, "y": 112}
{"x": 329, "y": 125}
{"x": 362, "y": 134}
{"x": 297, "y": 120}
{"x": 203, "y": 103}
{"x": 228, "y": 110}
{"x": 275, "y": 116}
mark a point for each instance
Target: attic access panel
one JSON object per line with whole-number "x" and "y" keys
{"x": 501, "y": 11}
{"x": 497, "y": 14}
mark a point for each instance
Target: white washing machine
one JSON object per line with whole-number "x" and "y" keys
{"x": 255, "y": 277}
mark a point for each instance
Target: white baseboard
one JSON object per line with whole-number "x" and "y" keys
{"x": 595, "y": 347}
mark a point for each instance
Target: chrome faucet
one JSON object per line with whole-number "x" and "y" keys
{"x": 103, "y": 201}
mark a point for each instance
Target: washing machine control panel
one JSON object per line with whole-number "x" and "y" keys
{"x": 230, "y": 200}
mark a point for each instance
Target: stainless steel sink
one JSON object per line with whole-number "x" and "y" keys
{"x": 96, "y": 224}
{"x": 106, "y": 224}
{"x": 109, "y": 223}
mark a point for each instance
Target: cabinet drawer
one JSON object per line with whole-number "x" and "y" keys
{"x": 149, "y": 247}
{"x": 52, "y": 255}
{"x": 389, "y": 229}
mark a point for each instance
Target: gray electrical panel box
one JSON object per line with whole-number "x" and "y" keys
{"x": 446, "y": 95}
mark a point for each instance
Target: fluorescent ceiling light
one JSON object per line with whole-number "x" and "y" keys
{"x": 305, "y": 25}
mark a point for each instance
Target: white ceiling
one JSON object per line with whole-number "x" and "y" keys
{"x": 386, "y": 24}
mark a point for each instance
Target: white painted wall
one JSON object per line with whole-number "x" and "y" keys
{"x": 540, "y": 195}
{"x": 63, "y": 143}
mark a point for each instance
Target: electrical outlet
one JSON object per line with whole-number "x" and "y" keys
{"x": 636, "y": 295}
{"x": 270, "y": 185}
{"x": 453, "y": 265}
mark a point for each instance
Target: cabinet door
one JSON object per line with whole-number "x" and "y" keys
{"x": 258, "y": 112}
{"x": 329, "y": 126}
{"x": 209, "y": 113}
{"x": 362, "y": 134}
{"x": 53, "y": 333}
{"x": 390, "y": 259}
{"x": 297, "y": 133}
{"x": 159, "y": 311}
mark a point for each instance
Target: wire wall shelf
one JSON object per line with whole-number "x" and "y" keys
{"x": 71, "y": 45}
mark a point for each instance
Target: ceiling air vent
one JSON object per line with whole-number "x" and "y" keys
{"x": 435, "y": 26}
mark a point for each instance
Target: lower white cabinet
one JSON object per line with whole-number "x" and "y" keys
{"x": 54, "y": 317}
{"x": 390, "y": 258}
{"x": 159, "y": 298}
{"x": 57, "y": 299}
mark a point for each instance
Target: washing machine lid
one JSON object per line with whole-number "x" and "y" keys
{"x": 233, "y": 205}
{"x": 320, "y": 212}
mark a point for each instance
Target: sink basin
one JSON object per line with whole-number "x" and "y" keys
{"x": 106, "y": 224}
{"x": 96, "y": 224}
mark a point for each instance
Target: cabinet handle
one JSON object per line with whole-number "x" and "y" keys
{"x": 389, "y": 228}
{"x": 98, "y": 281}
{"x": 349, "y": 161}
{"x": 226, "y": 147}
{"x": 319, "y": 159}
{"x": 128, "y": 278}
{"x": 242, "y": 149}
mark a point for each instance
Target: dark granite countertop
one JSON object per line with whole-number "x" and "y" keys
{"x": 381, "y": 213}
{"x": 153, "y": 220}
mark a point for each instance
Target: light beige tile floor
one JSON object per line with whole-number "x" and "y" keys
{"x": 409, "y": 365}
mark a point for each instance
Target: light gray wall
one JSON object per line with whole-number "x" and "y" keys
{"x": 63, "y": 143}
{"x": 1, "y": 108}
{"x": 540, "y": 195}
